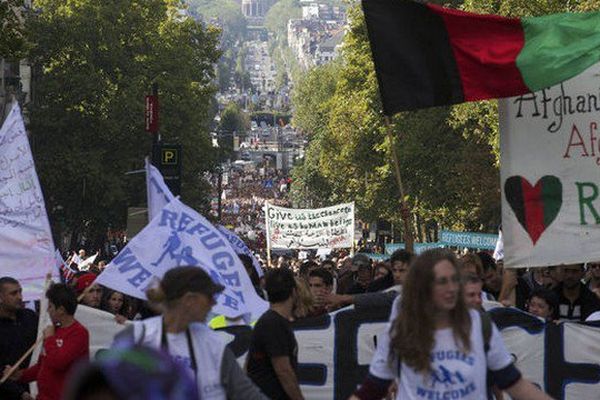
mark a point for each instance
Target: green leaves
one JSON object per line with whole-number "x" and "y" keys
{"x": 95, "y": 62}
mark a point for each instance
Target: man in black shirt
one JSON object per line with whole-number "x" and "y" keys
{"x": 576, "y": 301}
{"x": 273, "y": 355}
{"x": 18, "y": 331}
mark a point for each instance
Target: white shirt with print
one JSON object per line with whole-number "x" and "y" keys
{"x": 454, "y": 374}
{"x": 180, "y": 351}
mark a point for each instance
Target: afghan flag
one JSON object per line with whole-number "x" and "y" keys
{"x": 426, "y": 55}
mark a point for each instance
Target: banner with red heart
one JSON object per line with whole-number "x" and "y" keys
{"x": 534, "y": 206}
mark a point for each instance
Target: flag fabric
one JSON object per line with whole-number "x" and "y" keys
{"x": 157, "y": 191}
{"x": 85, "y": 265}
{"x": 26, "y": 244}
{"x": 63, "y": 269}
{"x": 179, "y": 236}
{"x": 240, "y": 248}
{"x": 426, "y": 55}
{"x": 499, "y": 250}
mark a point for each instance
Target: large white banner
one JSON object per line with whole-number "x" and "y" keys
{"x": 334, "y": 350}
{"x": 179, "y": 236}
{"x": 330, "y": 227}
{"x": 550, "y": 174}
{"x": 26, "y": 245}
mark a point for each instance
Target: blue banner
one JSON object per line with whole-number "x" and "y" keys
{"x": 471, "y": 240}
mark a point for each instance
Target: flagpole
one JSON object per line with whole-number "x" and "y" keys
{"x": 268, "y": 234}
{"x": 404, "y": 209}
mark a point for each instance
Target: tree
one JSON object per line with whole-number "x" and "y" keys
{"x": 13, "y": 41}
{"x": 450, "y": 180}
{"x": 95, "y": 62}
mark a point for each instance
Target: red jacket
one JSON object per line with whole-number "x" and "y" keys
{"x": 60, "y": 352}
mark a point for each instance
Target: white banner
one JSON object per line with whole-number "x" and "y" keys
{"x": 240, "y": 248}
{"x": 179, "y": 236}
{"x": 330, "y": 227}
{"x": 335, "y": 350}
{"x": 157, "y": 191}
{"x": 26, "y": 244}
{"x": 550, "y": 174}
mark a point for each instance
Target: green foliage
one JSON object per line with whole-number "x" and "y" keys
{"x": 278, "y": 15}
{"x": 450, "y": 179}
{"x": 95, "y": 62}
{"x": 13, "y": 42}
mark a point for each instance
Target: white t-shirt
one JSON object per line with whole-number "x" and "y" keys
{"x": 455, "y": 375}
{"x": 180, "y": 351}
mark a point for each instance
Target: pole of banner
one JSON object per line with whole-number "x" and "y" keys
{"x": 33, "y": 346}
{"x": 404, "y": 210}
{"x": 268, "y": 234}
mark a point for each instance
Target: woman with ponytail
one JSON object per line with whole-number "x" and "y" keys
{"x": 186, "y": 295}
{"x": 437, "y": 348}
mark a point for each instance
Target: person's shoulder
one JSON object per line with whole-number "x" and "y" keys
{"x": 269, "y": 320}
{"x": 27, "y": 315}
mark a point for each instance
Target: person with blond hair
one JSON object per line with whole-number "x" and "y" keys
{"x": 187, "y": 294}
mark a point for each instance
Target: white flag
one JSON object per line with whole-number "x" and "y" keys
{"x": 179, "y": 236}
{"x": 240, "y": 248}
{"x": 26, "y": 245}
{"x": 87, "y": 263}
{"x": 499, "y": 250}
{"x": 157, "y": 191}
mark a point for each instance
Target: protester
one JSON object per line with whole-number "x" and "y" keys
{"x": 435, "y": 347}
{"x": 594, "y": 278}
{"x": 400, "y": 261}
{"x": 66, "y": 343}
{"x": 115, "y": 303}
{"x": 320, "y": 282}
{"x": 304, "y": 303}
{"x": 18, "y": 330}
{"x": 543, "y": 303}
{"x": 187, "y": 294}
{"x": 363, "y": 277}
{"x": 92, "y": 297}
{"x": 472, "y": 288}
{"x": 272, "y": 359}
{"x": 575, "y": 301}
{"x": 382, "y": 278}
{"x": 492, "y": 275}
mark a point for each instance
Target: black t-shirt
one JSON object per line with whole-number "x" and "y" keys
{"x": 272, "y": 336}
{"x": 584, "y": 305}
{"x": 16, "y": 336}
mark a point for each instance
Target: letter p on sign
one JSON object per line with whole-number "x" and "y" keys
{"x": 169, "y": 156}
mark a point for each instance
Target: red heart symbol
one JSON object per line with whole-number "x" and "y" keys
{"x": 537, "y": 206}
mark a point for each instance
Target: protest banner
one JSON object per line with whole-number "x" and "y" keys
{"x": 240, "y": 248}
{"x": 334, "y": 350}
{"x": 550, "y": 165}
{"x": 157, "y": 191}
{"x": 179, "y": 236}
{"x": 330, "y": 227}
{"x": 471, "y": 240}
{"x": 26, "y": 244}
{"x": 419, "y": 248}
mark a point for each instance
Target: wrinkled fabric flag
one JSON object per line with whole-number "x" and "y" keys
{"x": 179, "y": 236}
{"x": 240, "y": 248}
{"x": 157, "y": 191}
{"x": 26, "y": 244}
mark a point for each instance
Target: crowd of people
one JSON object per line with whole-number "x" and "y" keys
{"x": 175, "y": 319}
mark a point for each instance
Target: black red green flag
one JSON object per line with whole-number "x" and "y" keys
{"x": 426, "y": 55}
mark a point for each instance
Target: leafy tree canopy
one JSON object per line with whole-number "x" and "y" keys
{"x": 95, "y": 62}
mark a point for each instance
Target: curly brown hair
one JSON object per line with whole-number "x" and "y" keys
{"x": 413, "y": 331}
